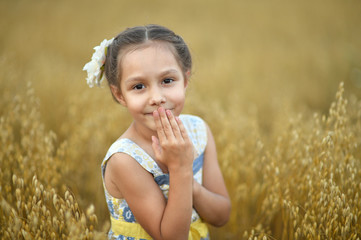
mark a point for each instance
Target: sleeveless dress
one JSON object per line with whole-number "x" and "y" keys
{"x": 124, "y": 226}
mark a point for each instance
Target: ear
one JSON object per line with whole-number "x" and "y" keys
{"x": 117, "y": 94}
{"x": 187, "y": 76}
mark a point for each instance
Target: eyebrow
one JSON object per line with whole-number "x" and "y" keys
{"x": 163, "y": 73}
{"x": 172, "y": 70}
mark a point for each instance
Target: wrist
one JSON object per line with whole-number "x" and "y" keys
{"x": 180, "y": 168}
{"x": 180, "y": 172}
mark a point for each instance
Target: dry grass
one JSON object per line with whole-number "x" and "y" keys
{"x": 265, "y": 79}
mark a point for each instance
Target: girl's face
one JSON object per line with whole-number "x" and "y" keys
{"x": 151, "y": 77}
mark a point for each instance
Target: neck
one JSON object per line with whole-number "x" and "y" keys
{"x": 141, "y": 134}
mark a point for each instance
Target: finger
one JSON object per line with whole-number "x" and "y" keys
{"x": 174, "y": 124}
{"x": 159, "y": 126}
{"x": 165, "y": 123}
{"x": 182, "y": 129}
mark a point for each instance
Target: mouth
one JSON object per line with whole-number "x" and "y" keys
{"x": 151, "y": 113}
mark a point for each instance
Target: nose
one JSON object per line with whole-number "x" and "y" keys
{"x": 156, "y": 98}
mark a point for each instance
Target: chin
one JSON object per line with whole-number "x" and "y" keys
{"x": 151, "y": 126}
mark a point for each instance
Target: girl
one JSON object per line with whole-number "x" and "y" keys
{"x": 161, "y": 177}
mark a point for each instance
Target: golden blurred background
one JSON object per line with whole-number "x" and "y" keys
{"x": 296, "y": 52}
{"x": 259, "y": 68}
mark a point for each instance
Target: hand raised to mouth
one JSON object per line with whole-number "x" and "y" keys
{"x": 173, "y": 147}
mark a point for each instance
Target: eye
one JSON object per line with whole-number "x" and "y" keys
{"x": 139, "y": 86}
{"x": 168, "y": 81}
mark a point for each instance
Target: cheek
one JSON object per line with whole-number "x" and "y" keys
{"x": 135, "y": 106}
{"x": 177, "y": 92}
{"x": 178, "y": 98}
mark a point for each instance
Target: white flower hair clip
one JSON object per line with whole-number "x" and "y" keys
{"x": 95, "y": 67}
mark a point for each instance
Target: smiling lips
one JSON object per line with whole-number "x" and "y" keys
{"x": 151, "y": 113}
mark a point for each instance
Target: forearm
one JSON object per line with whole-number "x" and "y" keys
{"x": 177, "y": 214}
{"x": 174, "y": 149}
{"x": 212, "y": 207}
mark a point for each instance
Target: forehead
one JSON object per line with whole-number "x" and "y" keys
{"x": 146, "y": 57}
{"x": 128, "y": 50}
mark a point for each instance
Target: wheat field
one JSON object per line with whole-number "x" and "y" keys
{"x": 279, "y": 83}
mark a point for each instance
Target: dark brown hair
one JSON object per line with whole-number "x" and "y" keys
{"x": 132, "y": 37}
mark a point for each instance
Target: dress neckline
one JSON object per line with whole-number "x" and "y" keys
{"x": 143, "y": 151}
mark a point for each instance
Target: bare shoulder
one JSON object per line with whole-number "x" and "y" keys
{"x": 119, "y": 161}
{"x": 122, "y": 166}
{"x": 211, "y": 145}
{"x": 123, "y": 172}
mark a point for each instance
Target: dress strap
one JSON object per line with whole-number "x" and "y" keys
{"x": 197, "y": 131}
{"x": 127, "y": 146}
